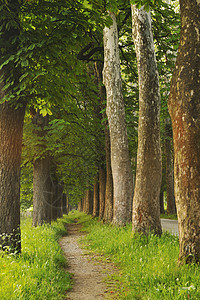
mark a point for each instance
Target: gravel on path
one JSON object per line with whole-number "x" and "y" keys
{"x": 88, "y": 275}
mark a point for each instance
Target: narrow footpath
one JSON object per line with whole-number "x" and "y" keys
{"x": 87, "y": 273}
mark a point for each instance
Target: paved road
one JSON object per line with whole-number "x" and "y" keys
{"x": 170, "y": 225}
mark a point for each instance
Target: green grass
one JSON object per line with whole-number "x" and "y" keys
{"x": 166, "y": 216}
{"x": 39, "y": 272}
{"x": 148, "y": 265}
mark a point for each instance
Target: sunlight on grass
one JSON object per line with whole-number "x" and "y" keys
{"x": 148, "y": 265}
{"x": 39, "y": 272}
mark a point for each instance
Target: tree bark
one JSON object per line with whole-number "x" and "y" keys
{"x": 84, "y": 202}
{"x": 184, "y": 108}
{"x": 120, "y": 160}
{"x": 64, "y": 201}
{"x": 102, "y": 190}
{"x": 11, "y": 129}
{"x": 56, "y": 197}
{"x": 68, "y": 206}
{"x": 88, "y": 202}
{"x": 60, "y": 188}
{"x": 41, "y": 192}
{"x": 146, "y": 203}
{"x": 108, "y": 211}
{"x": 41, "y": 176}
{"x": 171, "y": 208}
{"x": 96, "y": 199}
{"x": 162, "y": 210}
{"x": 80, "y": 205}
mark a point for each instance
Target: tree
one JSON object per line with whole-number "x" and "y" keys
{"x": 171, "y": 208}
{"x": 120, "y": 161}
{"x": 146, "y": 209}
{"x": 108, "y": 211}
{"x": 41, "y": 173}
{"x": 95, "y": 212}
{"x": 11, "y": 128}
{"x": 184, "y": 110}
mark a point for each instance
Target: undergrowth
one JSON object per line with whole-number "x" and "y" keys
{"x": 148, "y": 265}
{"x": 38, "y": 273}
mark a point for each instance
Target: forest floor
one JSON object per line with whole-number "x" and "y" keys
{"x": 91, "y": 275}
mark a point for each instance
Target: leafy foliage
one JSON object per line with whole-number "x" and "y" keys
{"x": 146, "y": 3}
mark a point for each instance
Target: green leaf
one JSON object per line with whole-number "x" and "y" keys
{"x": 23, "y": 76}
{"x": 24, "y": 63}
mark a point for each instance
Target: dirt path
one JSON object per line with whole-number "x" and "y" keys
{"x": 88, "y": 274}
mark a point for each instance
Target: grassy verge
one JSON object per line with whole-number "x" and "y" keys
{"x": 166, "y": 216}
{"x": 148, "y": 265}
{"x": 39, "y": 272}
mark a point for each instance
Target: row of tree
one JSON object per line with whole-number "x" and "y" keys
{"x": 52, "y": 58}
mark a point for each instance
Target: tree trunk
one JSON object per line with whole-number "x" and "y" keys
{"x": 11, "y": 129}
{"x": 96, "y": 199}
{"x": 102, "y": 190}
{"x": 146, "y": 202}
{"x": 120, "y": 161}
{"x": 84, "y": 202}
{"x": 68, "y": 206}
{"x": 57, "y": 198}
{"x": 80, "y": 205}
{"x": 100, "y": 140}
{"x": 162, "y": 210}
{"x": 88, "y": 202}
{"x": 171, "y": 209}
{"x": 108, "y": 211}
{"x": 41, "y": 175}
{"x": 184, "y": 109}
{"x": 41, "y": 191}
{"x": 60, "y": 188}
{"x": 64, "y": 201}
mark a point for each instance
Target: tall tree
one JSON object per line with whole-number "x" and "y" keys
{"x": 108, "y": 211}
{"x": 146, "y": 203}
{"x": 171, "y": 208}
{"x": 41, "y": 172}
{"x": 184, "y": 109}
{"x": 120, "y": 160}
{"x": 11, "y": 128}
{"x": 41, "y": 191}
{"x": 95, "y": 212}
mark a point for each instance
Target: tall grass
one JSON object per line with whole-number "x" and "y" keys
{"x": 38, "y": 273}
{"x": 148, "y": 265}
